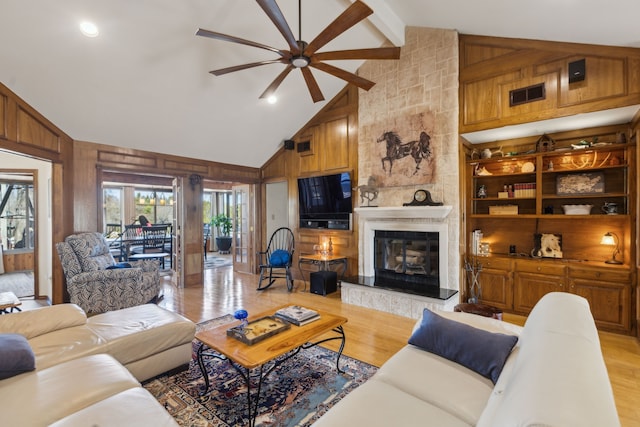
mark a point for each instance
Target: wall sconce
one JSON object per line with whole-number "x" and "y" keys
{"x": 611, "y": 239}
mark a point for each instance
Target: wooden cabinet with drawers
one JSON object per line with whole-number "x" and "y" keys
{"x": 517, "y": 284}
{"x": 532, "y": 280}
{"x": 609, "y": 295}
{"x": 497, "y": 284}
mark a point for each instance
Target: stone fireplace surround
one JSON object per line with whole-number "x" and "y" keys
{"x": 360, "y": 291}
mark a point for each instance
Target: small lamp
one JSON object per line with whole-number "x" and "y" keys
{"x": 611, "y": 239}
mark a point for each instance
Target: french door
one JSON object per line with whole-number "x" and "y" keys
{"x": 243, "y": 248}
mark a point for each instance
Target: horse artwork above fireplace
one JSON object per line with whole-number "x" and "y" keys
{"x": 418, "y": 149}
{"x": 402, "y": 151}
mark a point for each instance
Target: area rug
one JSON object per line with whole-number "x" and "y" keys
{"x": 296, "y": 393}
{"x": 215, "y": 262}
{"x": 19, "y": 282}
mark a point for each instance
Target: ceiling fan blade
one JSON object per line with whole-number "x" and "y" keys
{"x": 375, "y": 53}
{"x": 276, "y": 83}
{"x": 272, "y": 10}
{"x": 350, "y": 17}
{"x": 228, "y": 38}
{"x": 361, "y": 82}
{"x": 312, "y": 84}
{"x": 227, "y": 70}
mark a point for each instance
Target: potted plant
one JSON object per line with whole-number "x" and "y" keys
{"x": 223, "y": 226}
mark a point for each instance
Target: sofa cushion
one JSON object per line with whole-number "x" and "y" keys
{"x": 92, "y": 251}
{"x": 42, "y": 397}
{"x": 559, "y": 377}
{"x": 16, "y": 356}
{"x": 279, "y": 258}
{"x": 119, "y": 265}
{"x": 132, "y": 407}
{"x": 40, "y": 321}
{"x": 136, "y": 333}
{"x": 66, "y": 344}
{"x": 434, "y": 379}
{"x": 378, "y": 404}
{"x": 479, "y": 350}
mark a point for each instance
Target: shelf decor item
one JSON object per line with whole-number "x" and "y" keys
{"x": 545, "y": 143}
{"x": 503, "y": 210}
{"x": 258, "y": 330}
{"x": 473, "y": 267}
{"x": 580, "y": 183}
{"x": 547, "y": 245}
{"x": 577, "y": 209}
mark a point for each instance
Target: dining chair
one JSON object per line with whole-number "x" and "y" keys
{"x": 154, "y": 238}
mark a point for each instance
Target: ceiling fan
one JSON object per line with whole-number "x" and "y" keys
{"x": 303, "y": 55}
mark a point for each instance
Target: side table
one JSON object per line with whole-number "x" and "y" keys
{"x": 9, "y": 302}
{"x": 479, "y": 309}
{"x": 324, "y": 262}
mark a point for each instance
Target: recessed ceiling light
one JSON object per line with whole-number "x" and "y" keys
{"x": 89, "y": 29}
{"x": 272, "y": 99}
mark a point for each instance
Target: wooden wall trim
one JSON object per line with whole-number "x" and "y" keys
{"x": 491, "y": 67}
{"x": 112, "y": 158}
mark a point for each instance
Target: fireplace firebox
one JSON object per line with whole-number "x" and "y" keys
{"x": 407, "y": 260}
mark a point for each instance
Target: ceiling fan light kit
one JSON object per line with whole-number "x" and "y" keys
{"x": 302, "y": 55}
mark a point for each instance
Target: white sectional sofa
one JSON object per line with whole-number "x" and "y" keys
{"x": 88, "y": 369}
{"x": 554, "y": 376}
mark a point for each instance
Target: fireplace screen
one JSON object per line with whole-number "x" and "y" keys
{"x": 407, "y": 260}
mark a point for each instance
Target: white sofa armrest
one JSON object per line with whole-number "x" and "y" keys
{"x": 33, "y": 323}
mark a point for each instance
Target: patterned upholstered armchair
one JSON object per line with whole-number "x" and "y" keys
{"x": 93, "y": 282}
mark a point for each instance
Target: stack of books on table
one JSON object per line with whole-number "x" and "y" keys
{"x": 297, "y": 315}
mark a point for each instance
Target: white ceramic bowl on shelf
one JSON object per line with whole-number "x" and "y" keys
{"x": 577, "y": 209}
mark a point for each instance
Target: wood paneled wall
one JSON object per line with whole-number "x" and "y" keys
{"x": 17, "y": 261}
{"x": 333, "y": 138}
{"x": 491, "y": 67}
{"x": 77, "y": 166}
{"x": 23, "y": 130}
{"x": 102, "y": 161}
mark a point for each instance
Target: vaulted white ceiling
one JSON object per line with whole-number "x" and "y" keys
{"x": 144, "y": 81}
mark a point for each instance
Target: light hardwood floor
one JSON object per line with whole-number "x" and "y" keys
{"x": 374, "y": 336}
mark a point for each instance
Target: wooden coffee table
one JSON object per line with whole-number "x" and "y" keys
{"x": 268, "y": 354}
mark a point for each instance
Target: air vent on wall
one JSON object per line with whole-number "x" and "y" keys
{"x": 304, "y": 146}
{"x": 526, "y": 94}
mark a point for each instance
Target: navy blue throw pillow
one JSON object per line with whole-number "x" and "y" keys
{"x": 481, "y": 351}
{"x": 279, "y": 258}
{"x": 119, "y": 265}
{"x": 16, "y": 355}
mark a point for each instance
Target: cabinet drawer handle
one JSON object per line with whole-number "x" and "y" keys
{"x": 538, "y": 268}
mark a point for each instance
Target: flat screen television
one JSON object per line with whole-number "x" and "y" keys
{"x": 325, "y": 201}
